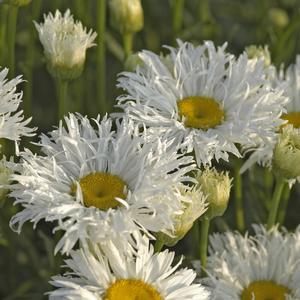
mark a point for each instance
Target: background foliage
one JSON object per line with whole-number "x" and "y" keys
{"x": 27, "y": 261}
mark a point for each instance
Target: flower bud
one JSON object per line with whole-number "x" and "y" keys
{"x": 259, "y": 52}
{"x": 278, "y": 17}
{"x": 65, "y": 43}
{"x": 216, "y": 186}
{"x": 5, "y": 173}
{"x": 286, "y": 156}
{"x": 193, "y": 206}
{"x": 126, "y": 15}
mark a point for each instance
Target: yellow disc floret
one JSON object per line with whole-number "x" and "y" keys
{"x": 265, "y": 290}
{"x": 101, "y": 190}
{"x": 293, "y": 118}
{"x": 200, "y": 112}
{"x": 131, "y": 289}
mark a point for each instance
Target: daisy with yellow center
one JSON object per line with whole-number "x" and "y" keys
{"x": 261, "y": 267}
{"x": 114, "y": 273}
{"x": 203, "y": 98}
{"x": 98, "y": 183}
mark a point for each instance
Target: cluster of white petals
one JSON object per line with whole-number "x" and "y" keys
{"x": 65, "y": 41}
{"x": 13, "y": 125}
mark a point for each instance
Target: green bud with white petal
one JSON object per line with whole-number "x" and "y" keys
{"x": 286, "y": 156}
{"x": 193, "y": 206}
{"x": 216, "y": 187}
{"x": 260, "y": 53}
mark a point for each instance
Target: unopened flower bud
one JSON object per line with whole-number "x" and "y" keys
{"x": 126, "y": 15}
{"x": 193, "y": 206}
{"x": 259, "y": 52}
{"x": 5, "y": 173}
{"x": 286, "y": 157}
{"x": 216, "y": 186}
{"x": 65, "y": 42}
{"x": 278, "y": 17}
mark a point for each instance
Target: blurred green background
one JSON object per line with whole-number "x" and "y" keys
{"x": 26, "y": 260}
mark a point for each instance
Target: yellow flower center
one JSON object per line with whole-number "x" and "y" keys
{"x": 100, "y": 190}
{"x": 265, "y": 290}
{"x": 293, "y": 118}
{"x": 200, "y": 112}
{"x": 131, "y": 289}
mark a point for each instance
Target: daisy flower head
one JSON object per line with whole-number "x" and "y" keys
{"x": 12, "y": 122}
{"x": 112, "y": 274}
{"x": 99, "y": 183}
{"x": 65, "y": 42}
{"x": 264, "y": 266}
{"x": 203, "y": 98}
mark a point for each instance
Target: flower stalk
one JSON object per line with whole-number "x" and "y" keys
{"x": 275, "y": 202}
{"x": 11, "y": 37}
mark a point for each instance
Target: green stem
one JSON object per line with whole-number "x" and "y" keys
{"x": 284, "y": 204}
{"x": 204, "y": 11}
{"x": 3, "y": 24}
{"x": 158, "y": 245}
{"x": 62, "y": 88}
{"x": 275, "y": 202}
{"x": 101, "y": 63}
{"x": 178, "y": 16}
{"x": 30, "y": 53}
{"x": 11, "y": 37}
{"x": 127, "y": 43}
{"x": 238, "y": 192}
{"x": 204, "y": 230}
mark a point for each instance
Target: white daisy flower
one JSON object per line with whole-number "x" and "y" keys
{"x": 111, "y": 274}
{"x": 289, "y": 82}
{"x": 266, "y": 266}
{"x": 65, "y": 42}
{"x": 99, "y": 183}
{"x": 203, "y": 98}
{"x": 12, "y": 123}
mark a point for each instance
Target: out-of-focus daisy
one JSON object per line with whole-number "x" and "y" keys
{"x": 204, "y": 99}
{"x": 262, "y": 267}
{"x": 12, "y": 123}
{"x": 99, "y": 183}
{"x": 112, "y": 274}
{"x": 65, "y": 42}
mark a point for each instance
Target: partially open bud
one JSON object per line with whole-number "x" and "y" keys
{"x": 193, "y": 206}
{"x": 65, "y": 42}
{"x": 126, "y": 15}
{"x": 5, "y": 173}
{"x": 17, "y": 2}
{"x": 216, "y": 186}
{"x": 286, "y": 157}
{"x": 259, "y": 52}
